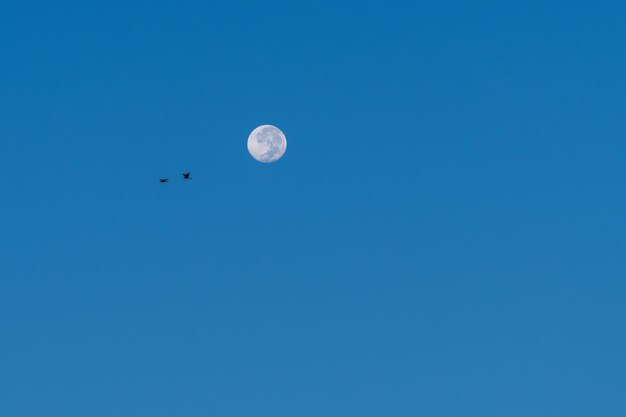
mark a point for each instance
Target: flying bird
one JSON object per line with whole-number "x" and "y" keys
{"x": 164, "y": 180}
{"x": 186, "y": 175}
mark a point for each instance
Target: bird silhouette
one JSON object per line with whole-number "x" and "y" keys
{"x": 186, "y": 175}
{"x": 164, "y": 180}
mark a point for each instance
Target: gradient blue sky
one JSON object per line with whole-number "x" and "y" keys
{"x": 445, "y": 235}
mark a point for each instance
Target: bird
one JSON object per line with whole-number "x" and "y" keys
{"x": 186, "y": 175}
{"x": 164, "y": 180}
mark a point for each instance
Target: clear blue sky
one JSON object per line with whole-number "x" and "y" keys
{"x": 444, "y": 237}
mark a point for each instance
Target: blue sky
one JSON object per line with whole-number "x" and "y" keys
{"x": 443, "y": 237}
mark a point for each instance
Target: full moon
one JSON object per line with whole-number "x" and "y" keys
{"x": 267, "y": 143}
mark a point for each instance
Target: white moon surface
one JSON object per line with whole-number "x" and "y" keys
{"x": 267, "y": 143}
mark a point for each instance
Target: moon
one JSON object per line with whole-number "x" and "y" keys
{"x": 267, "y": 144}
